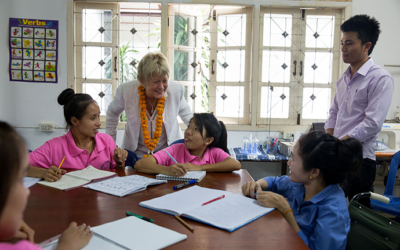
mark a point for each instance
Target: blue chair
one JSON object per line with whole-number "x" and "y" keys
{"x": 131, "y": 159}
{"x": 177, "y": 141}
{"x": 393, "y": 207}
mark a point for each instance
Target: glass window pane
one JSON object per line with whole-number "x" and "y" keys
{"x": 273, "y": 66}
{"x": 183, "y": 71}
{"x": 94, "y": 89}
{"x": 272, "y": 104}
{"x": 320, "y": 31}
{"x": 319, "y": 108}
{"x": 201, "y": 100}
{"x": 232, "y": 106}
{"x": 92, "y": 21}
{"x": 323, "y": 71}
{"x": 235, "y": 27}
{"x": 233, "y": 70}
{"x": 277, "y": 30}
{"x": 91, "y": 56}
{"x": 182, "y": 30}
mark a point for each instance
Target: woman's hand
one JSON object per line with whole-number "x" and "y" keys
{"x": 75, "y": 237}
{"x": 190, "y": 167}
{"x": 250, "y": 188}
{"x": 274, "y": 200}
{"x": 53, "y": 173}
{"x": 24, "y": 233}
{"x": 120, "y": 156}
{"x": 175, "y": 170}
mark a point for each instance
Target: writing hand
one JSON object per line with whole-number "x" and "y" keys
{"x": 53, "y": 173}
{"x": 176, "y": 170}
{"x": 75, "y": 237}
{"x": 250, "y": 188}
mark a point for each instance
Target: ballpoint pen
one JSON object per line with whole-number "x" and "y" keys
{"x": 218, "y": 198}
{"x": 139, "y": 216}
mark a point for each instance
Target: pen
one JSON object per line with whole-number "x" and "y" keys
{"x": 61, "y": 162}
{"x": 184, "y": 223}
{"x": 170, "y": 156}
{"x": 218, "y": 198}
{"x": 184, "y": 184}
{"x": 139, "y": 216}
{"x": 173, "y": 158}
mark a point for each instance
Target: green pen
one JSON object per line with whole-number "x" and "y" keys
{"x": 139, "y": 216}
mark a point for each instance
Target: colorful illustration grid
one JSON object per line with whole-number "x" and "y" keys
{"x": 33, "y": 50}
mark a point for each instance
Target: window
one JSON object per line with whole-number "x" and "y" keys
{"x": 299, "y": 62}
{"x": 210, "y": 51}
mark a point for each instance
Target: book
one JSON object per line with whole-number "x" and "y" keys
{"x": 30, "y": 181}
{"x": 190, "y": 175}
{"x": 121, "y": 186}
{"x": 229, "y": 213}
{"x": 128, "y": 233}
{"x": 79, "y": 178}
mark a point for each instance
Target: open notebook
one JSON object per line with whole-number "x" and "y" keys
{"x": 79, "y": 178}
{"x": 121, "y": 186}
{"x": 127, "y": 233}
{"x": 190, "y": 175}
{"x": 229, "y": 213}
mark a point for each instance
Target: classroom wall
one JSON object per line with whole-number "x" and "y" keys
{"x": 25, "y": 105}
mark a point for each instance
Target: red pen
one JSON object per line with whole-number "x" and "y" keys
{"x": 218, "y": 198}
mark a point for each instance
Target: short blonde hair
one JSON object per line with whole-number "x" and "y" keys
{"x": 152, "y": 64}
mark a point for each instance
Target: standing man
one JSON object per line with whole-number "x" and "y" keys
{"x": 363, "y": 97}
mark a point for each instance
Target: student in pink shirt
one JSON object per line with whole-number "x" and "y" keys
{"x": 14, "y": 196}
{"x": 82, "y": 146}
{"x": 204, "y": 148}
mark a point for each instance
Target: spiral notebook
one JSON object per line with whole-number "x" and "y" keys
{"x": 190, "y": 175}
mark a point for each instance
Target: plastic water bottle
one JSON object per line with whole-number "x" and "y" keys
{"x": 249, "y": 144}
{"x": 254, "y": 143}
{"x": 245, "y": 144}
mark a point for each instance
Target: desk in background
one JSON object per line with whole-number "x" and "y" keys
{"x": 261, "y": 157}
{"x": 50, "y": 211}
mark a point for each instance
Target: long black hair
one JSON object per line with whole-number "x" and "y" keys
{"x": 12, "y": 150}
{"x": 214, "y": 128}
{"x": 333, "y": 157}
{"x": 74, "y": 104}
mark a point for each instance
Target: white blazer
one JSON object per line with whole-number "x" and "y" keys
{"x": 127, "y": 98}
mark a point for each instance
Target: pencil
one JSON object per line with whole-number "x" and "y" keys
{"x": 184, "y": 223}
{"x": 61, "y": 162}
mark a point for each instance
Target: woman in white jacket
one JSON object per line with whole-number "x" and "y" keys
{"x": 152, "y": 104}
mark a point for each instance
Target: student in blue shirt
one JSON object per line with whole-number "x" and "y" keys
{"x": 311, "y": 199}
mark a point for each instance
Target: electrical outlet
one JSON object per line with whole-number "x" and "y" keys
{"x": 288, "y": 135}
{"x": 46, "y": 127}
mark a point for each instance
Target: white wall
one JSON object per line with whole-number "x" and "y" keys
{"x": 387, "y": 49}
{"x": 25, "y": 105}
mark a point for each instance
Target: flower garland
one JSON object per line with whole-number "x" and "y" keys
{"x": 150, "y": 143}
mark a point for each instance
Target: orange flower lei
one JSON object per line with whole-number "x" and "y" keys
{"x": 150, "y": 143}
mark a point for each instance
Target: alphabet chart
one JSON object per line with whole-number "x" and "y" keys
{"x": 33, "y": 50}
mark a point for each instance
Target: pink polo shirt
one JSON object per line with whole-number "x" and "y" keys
{"x": 21, "y": 245}
{"x": 182, "y": 155}
{"x": 52, "y": 152}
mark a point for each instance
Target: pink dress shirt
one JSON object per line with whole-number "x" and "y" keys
{"x": 21, "y": 245}
{"x": 361, "y": 104}
{"x": 52, "y": 152}
{"x": 182, "y": 155}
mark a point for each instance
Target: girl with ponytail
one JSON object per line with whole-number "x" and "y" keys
{"x": 204, "y": 148}
{"x": 311, "y": 199}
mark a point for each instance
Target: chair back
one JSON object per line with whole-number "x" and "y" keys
{"x": 177, "y": 141}
{"x": 392, "y": 174}
{"x": 131, "y": 159}
{"x": 370, "y": 230}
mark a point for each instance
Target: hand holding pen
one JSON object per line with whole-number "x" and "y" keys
{"x": 175, "y": 170}
{"x": 54, "y": 173}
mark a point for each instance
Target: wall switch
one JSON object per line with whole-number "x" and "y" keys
{"x": 46, "y": 127}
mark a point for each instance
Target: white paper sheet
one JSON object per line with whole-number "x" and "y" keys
{"x": 30, "y": 181}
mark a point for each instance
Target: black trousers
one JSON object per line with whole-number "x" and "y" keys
{"x": 361, "y": 181}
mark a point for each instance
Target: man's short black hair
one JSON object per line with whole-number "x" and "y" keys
{"x": 367, "y": 29}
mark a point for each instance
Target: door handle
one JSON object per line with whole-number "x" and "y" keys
{"x": 301, "y": 68}
{"x": 295, "y": 65}
{"x": 212, "y": 67}
{"x": 115, "y": 64}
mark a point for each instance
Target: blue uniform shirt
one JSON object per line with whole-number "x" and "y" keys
{"x": 324, "y": 221}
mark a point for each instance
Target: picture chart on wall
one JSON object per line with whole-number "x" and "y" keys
{"x": 33, "y": 46}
